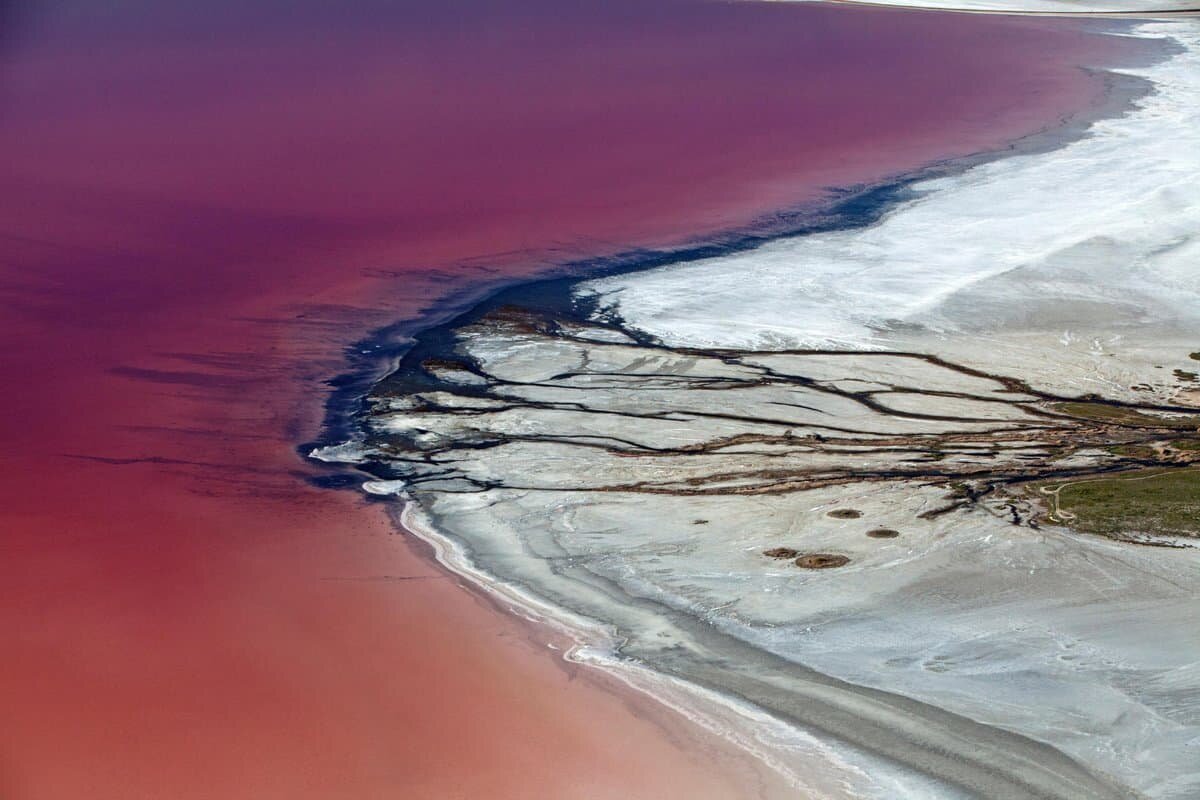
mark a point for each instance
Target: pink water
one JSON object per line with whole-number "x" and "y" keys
{"x": 203, "y": 205}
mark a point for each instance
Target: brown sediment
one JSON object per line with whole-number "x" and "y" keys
{"x": 883, "y": 533}
{"x": 980, "y": 460}
{"x": 822, "y": 561}
{"x": 781, "y": 552}
{"x": 437, "y": 364}
{"x": 1189, "y": 397}
{"x": 942, "y": 510}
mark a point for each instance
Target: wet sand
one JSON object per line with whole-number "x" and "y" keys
{"x": 196, "y": 225}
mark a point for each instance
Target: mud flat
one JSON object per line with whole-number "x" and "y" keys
{"x": 807, "y": 476}
{"x": 657, "y": 488}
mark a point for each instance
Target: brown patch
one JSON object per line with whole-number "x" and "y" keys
{"x": 883, "y": 533}
{"x": 822, "y": 561}
{"x": 845, "y": 513}
{"x": 1188, "y": 397}
{"x": 781, "y": 552}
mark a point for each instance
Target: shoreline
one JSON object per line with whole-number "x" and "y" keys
{"x": 862, "y": 208}
{"x": 372, "y": 358}
{"x": 595, "y": 646}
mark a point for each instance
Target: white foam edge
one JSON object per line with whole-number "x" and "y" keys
{"x": 595, "y": 645}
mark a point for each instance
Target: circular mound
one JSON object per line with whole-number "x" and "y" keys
{"x": 844, "y": 513}
{"x": 822, "y": 561}
{"x": 781, "y": 552}
{"x": 883, "y": 533}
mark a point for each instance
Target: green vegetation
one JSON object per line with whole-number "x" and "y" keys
{"x": 1133, "y": 450}
{"x": 1118, "y": 415}
{"x": 1151, "y": 501}
{"x": 959, "y": 491}
{"x": 1186, "y": 444}
{"x": 1194, "y": 356}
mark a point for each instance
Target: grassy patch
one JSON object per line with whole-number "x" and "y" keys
{"x": 1116, "y": 415}
{"x": 1133, "y": 450}
{"x": 1153, "y": 501}
{"x": 1186, "y": 444}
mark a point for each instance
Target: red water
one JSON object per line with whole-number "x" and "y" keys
{"x": 203, "y": 205}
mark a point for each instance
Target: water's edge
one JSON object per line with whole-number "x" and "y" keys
{"x": 410, "y": 341}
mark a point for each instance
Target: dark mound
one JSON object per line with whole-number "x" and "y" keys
{"x": 822, "y": 561}
{"x": 781, "y": 552}
{"x": 883, "y": 533}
